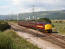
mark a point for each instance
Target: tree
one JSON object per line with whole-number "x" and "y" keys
{"x": 44, "y": 20}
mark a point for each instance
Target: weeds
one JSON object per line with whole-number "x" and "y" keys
{"x": 10, "y": 40}
{"x": 6, "y": 42}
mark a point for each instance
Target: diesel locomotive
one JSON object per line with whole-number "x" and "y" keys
{"x": 46, "y": 27}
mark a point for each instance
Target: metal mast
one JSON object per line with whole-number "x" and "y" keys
{"x": 33, "y": 11}
{"x": 17, "y": 17}
{"x": 34, "y": 6}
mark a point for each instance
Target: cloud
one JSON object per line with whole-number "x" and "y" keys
{"x": 17, "y": 6}
{"x": 22, "y": 2}
{"x": 31, "y": 10}
{"x": 16, "y": 2}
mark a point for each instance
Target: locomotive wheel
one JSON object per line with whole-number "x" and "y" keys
{"x": 45, "y": 31}
{"x": 49, "y": 31}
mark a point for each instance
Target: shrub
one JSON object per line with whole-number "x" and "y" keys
{"x": 44, "y": 20}
{"x": 4, "y": 26}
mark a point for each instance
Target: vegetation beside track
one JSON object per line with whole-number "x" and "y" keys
{"x": 60, "y": 27}
{"x": 4, "y": 26}
{"x": 44, "y": 20}
{"x": 10, "y": 40}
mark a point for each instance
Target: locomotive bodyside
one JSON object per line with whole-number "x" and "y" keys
{"x": 27, "y": 24}
{"x": 37, "y": 25}
{"x": 45, "y": 27}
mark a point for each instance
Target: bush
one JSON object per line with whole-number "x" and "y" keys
{"x": 4, "y": 26}
{"x": 6, "y": 42}
{"x": 44, "y": 20}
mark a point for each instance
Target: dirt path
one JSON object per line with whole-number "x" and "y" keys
{"x": 37, "y": 41}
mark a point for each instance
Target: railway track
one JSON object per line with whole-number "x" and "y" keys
{"x": 53, "y": 38}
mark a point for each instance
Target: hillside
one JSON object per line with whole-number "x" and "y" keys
{"x": 60, "y": 14}
{"x": 47, "y": 14}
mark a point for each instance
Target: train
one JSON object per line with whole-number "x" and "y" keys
{"x": 45, "y": 26}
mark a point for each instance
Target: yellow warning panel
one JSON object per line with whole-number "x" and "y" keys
{"x": 48, "y": 26}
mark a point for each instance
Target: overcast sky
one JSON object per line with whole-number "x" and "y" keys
{"x": 20, "y": 6}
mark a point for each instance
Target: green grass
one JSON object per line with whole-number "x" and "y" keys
{"x": 18, "y": 42}
{"x": 60, "y": 28}
{"x": 14, "y": 21}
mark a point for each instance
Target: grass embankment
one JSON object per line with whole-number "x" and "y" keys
{"x": 14, "y": 21}
{"x": 10, "y": 40}
{"x": 60, "y": 28}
